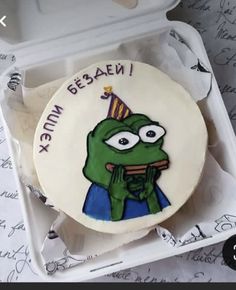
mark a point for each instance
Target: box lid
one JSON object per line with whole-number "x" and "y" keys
{"x": 31, "y": 24}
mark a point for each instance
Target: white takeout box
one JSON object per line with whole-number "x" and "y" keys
{"x": 46, "y": 36}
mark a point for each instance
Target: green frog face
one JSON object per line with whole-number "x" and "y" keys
{"x": 135, "y": 143}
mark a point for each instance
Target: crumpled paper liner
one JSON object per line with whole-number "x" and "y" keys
{"x": 68, "y": 243}
{"x": 211, "y": 207}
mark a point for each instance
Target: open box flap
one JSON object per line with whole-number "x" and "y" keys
{"x": 29, "y": 21}
{"x": 33, "y": 24}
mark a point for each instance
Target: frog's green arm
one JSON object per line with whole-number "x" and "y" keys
{"x": 153, "y": 203}
{"x": 149, "y": 190}
{"x": 131, "y": 196}
{"x": 151, "y": 176}
{"x": 117, "y": 208}
{"x": 118, "y": 193}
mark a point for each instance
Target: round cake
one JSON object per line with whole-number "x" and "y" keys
{"x": 120, "y": 147}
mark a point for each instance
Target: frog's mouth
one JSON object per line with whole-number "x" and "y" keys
{"x": 140, "y": 169}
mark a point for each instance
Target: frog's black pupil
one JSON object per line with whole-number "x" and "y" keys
{"x": 124, "y": 141}
{"x": 151, "y": 134}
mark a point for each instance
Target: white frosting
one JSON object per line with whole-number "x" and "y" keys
{"x": 144, "y": 89}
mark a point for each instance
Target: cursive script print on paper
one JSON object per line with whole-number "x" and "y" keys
{"x": 216, "y": 22}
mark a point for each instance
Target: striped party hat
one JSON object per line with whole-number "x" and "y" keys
{"x": 118, "y": 109}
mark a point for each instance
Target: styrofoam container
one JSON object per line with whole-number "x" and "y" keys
{"x": 48, "y": 38}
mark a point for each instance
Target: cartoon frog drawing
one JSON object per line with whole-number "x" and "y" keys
{"x": 124, "y": 161}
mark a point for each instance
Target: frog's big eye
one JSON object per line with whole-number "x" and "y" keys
{"x": 123, "y": 140}
{"x": 151, "y": 133}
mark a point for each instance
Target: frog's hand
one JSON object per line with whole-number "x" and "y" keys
{"x": 152, "y": 173}
{"x": 118, "y": 185}
{"x": 118, "y": 192}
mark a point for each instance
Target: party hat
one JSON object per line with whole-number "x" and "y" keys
{"x": 118, "y": 109}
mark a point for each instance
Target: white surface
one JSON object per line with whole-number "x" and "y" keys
{"x": 200, "y": 265}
